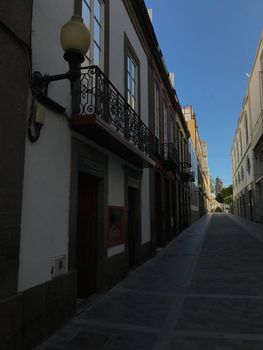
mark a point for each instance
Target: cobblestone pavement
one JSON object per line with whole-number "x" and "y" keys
{"x": 203, "y": 291}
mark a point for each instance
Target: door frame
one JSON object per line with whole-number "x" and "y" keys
{"x": 132, "y": 178}
{"x": 86, "y": 159}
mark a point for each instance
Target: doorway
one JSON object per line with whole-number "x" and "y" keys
{"x": 167, "y": 211}
{"x": 133, "y": 224}
{"x": 158, "y": 211}
{"x": 87, "y": 218}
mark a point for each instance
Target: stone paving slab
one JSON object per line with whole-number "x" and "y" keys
{"x": 229, "y": 262}
{"x": 132, "y": 308}
{"x": 234, "y": 315}
{"x": 203, "y": 291}
{"x": 206, "y": 343}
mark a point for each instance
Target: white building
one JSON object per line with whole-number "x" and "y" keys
{"x": 247, "y": 149}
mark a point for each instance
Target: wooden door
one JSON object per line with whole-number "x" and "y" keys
{"x": 87, "y": 234}
{"x": 158, "y": 211}
{"x": 133, "y": 226}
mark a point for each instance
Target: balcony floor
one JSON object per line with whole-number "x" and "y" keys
{"x": 99, "y": 131}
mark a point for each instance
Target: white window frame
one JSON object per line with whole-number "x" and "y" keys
{"x": 241, "y": 143}
{"x": 93, "y": 20}
{"x": 246, "y": 128}
{"x": 132, "y": 81}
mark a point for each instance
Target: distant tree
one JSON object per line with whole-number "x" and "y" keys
{"x": 227, "y": 195}
{"x": 219, "y": 198}
{"x": 227, "y": 191}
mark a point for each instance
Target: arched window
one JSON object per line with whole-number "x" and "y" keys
{"x": 241, "y": 145}
{"x": 165, "y": 121}
{"x": 248, "y": 165}
{"x": 237, "y": 151}
{"x": 246, "y": 128}
{"x": 242, "y": 173}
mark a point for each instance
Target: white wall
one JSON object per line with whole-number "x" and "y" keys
{"x": 116, "y": 74}
{"x": 254, "y": 89}
{"x": 116, "y": 181}
{"x": 45, "y": 209}
{"x": 251, "y": 108}
{"x": 116, "y": 193}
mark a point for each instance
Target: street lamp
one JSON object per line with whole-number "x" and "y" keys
{"x": 186, "y": 171}
{"x": 186, "y": 167}
{"x": 75, "y": 41}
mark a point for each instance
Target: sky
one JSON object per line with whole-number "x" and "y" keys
{"x": 210, "y": 45}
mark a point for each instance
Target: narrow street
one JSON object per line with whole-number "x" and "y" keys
{"x": 203, "y": 291}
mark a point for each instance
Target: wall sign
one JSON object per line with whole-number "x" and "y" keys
{"x": 116, "y": 225}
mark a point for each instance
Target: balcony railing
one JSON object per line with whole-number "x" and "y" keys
{"x": 170, "y": 155}
{"x": 98, "y": 97}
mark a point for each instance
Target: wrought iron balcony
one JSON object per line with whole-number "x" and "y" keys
{"x": 170, "y": 155}
{"x": 104, "y": 116}
{"x": 188, "y": 177}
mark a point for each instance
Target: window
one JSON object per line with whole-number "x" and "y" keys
{"x": 246, "y": 129}
{"x": 240, "y": 141}
{"x": 132, "y": 75}
{"x": 156, "y": 110}
{"x": 181, "y": 149}
{"x": 242, "y": 173}
{"x": 248, "y": 165}
{"x": 92, "y": 13}
{"x": 172, "y": 130}
{"x": 235, "y": 157}
{"x": 177, "y": 137}
{"x": 165, "y": 122}
{"x": 132, "y": 82}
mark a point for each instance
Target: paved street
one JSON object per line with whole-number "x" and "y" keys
{"x": 203, "y": 291}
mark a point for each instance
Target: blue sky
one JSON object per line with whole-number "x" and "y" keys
{"x": 210, "y": 45}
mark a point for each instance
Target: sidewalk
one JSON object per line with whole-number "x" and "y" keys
{"x": 203, "y": 291}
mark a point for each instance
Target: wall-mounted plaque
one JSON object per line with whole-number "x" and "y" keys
{"x": 116, "y": 225}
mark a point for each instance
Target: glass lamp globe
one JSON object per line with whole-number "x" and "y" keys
{"x": 75, "y": 36}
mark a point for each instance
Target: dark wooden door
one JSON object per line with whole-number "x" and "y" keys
{"x": 133, "y": 210}
{"x": 158, "y": 211}
{"x": 87, "y": 234}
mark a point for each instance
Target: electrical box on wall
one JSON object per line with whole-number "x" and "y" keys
{"x": 58, "y": 266}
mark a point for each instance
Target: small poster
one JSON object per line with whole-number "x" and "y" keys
{"x": 116, "y": 225}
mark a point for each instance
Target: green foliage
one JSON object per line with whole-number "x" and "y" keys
{"x": 227, "y": 195}
{"x": 226, "y": 192}
{"x": 219, "y": 198}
